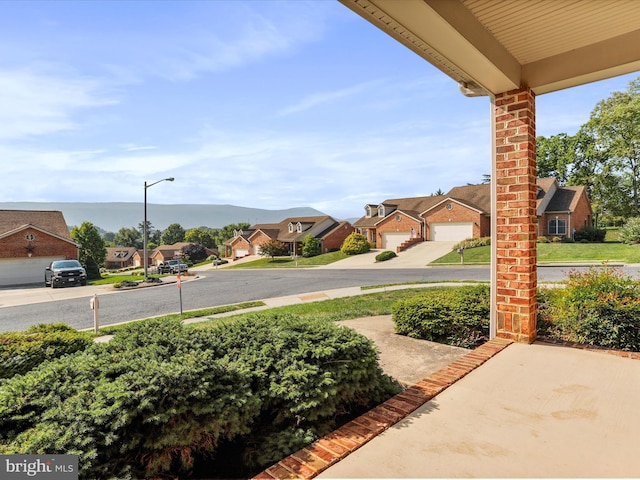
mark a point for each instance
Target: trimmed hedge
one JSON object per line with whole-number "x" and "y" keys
{"x": 453, "y": 315}
{"x": 21, "y": 352}
{"x": 386, "y": 255}
{"x": 160, "y": 395}
{"x": 355, "y": 244}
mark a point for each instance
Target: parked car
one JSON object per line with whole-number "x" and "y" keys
{"x": 64, "y": 272}
{"x": 173, "y": 266}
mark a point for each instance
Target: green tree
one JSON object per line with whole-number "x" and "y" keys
{"x": 615, "y": 125}
{"x": 128, "y": 237}
{"x": 355, "y": 244}
{"x": 92, "y": 251}
{"x": 273, "y": 248}
{"x": 173, "y": 234}
{"x": 201, "y": 236}
{"x": 310, "y": 246}
{"x": 226, "y": 232}
{"x": 555, "y": 155}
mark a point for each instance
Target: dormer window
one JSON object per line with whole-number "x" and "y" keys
{"x": 367, "y": 210}
{"x": 299, "y": 227}
{"x": 290, "y": 227}
{"x": 381, "y": 210}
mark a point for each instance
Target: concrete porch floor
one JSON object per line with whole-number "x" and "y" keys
{"x": 541, "y": 410}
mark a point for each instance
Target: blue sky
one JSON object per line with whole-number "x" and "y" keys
{"x": 263, "y": 104}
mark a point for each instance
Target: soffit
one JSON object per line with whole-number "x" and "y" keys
{"x": 500, "y": 45}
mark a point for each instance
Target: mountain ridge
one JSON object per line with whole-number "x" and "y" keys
{"x": 112, "y": 216}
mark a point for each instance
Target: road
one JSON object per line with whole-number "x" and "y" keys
{"x": 223, "y": 287}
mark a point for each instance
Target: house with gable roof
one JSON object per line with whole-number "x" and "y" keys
{"x": 465, "y": 212}
{"x": 119, "y": 257}
{"x": 29, "y": 241}
{"x": 290, "y": 231}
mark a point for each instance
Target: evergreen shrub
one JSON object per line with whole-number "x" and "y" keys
{"x": 590, "y": 234}
{"x": 355, "y": 244}
{"x": 630, "y": 231}
{"x": 159, "y": 395}
{"x": 22, "y": 351}
{"x": 453, "y": 315}
{"x": 386, "y": 255}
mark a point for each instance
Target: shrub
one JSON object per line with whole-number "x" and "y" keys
{"x": 473, "y": 243}
{"x": 355, "y": 244}
{"x": 590, "y": 234}
{"x": 556, "y": 239}
{"x": 543, "y": 239}
{"x": 160, "y": 394}
{"x": 310, "y": 246}
{"x": 21, "y": 352}
{"x": 456, "y": 316}
{"x": 630, "y": 231}
{"x": 386, "y": 255}
{"x": 600, "y": 306}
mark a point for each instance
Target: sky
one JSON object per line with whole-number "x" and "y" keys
{"x": 263, "y": 104}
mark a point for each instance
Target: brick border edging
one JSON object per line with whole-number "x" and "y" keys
{"x": 328, "y": 450}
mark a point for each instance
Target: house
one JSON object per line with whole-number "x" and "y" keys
{"x": 120, "y": 257}
{"x": 290, "y": 231}
{"x": 465, "y": 212}
{"x": 164, "y": 253}
{"x": 29, "y": 241}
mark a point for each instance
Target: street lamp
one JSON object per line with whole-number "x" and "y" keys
{"x": 144, "y": 226}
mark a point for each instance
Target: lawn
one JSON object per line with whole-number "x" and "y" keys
{"x": 557, "y": 252}
{"x": 288, "y": 262}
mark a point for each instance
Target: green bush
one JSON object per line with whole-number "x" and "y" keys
{"x": 590, "y": 234}
{"x": 542, "y": 239}
{"x": 355, "y": 244}
{"x": 386, "y": 255}
{"x": 630, "y": 231}
{"x": 21, "y": 352}
{"x": 600, "y": 306}
{"x": 473, "y": 243}
{"x": 310, "y": 246}
{"x": 456, "y": 316}
{"x": 160, "y": 395}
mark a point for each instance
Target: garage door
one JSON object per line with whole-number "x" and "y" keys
{"x": 241, "y": 253}
{"x": 451, "y": 232}
{"x": 23, "y": 271}
{"x": 390, "y": 241}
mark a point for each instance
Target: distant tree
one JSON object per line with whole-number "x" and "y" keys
{"x": 173, "y": 234}
{"x": 355, "y": 244}
{"x": 195, "y": 252}
{"x": 438, "y": 192}
{"x": 273, "y": 248}
{"x": 486, "y": 178}
{"x": 128, "y": 237}
{"x": 201, "y": 236}
{"x": 92, "y": 252}
{"x": 108, "y": 236}
{"x": 226, "y": 232}
{"x": 310, "y": 246}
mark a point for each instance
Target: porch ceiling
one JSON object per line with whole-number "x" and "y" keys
{"x": 547, "y": 45}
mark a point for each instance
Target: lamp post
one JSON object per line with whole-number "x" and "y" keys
{"x": 144, "y": 226}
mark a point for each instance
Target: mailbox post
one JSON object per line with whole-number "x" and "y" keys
{"x": 461, "y": 253}
{"x": 95, "y": 306}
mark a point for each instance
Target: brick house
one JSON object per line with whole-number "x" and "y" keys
{"x": 120, "y": 257}
{"x": 290, "y": 231}
{"x": 29, "y": 241}
{"x": 465, "y": 212}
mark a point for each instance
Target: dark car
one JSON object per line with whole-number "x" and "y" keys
{"x": 64, "y": 272}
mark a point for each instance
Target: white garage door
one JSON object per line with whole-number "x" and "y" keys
{"x": 390, "y": 241}
{"x": 23, "y": 271}
{"x": 451, "y": 232}
{"x": 241, "y": 253}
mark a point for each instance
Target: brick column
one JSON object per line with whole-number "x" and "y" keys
{"x": 516, "y": 219}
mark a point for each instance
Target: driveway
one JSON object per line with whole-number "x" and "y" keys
{"x": 418, "y": 256}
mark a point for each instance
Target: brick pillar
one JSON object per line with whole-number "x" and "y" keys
{"x": 516, "y": 219}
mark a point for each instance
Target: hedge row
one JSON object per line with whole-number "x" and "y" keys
{"x": 160, "y": 395}
{"x": 455, "y": 316}
{"x": 20, "y": 352}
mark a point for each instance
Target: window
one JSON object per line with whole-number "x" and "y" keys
{"x": 381, "y": 211}
{"x": 367, "y": 210}
{"x": 557, "y": 226}
{"x": 398, "y": 218}
{"x": 299, "y": 227}
{"x": 30, "y": 237}
{"x": 291, "y": 228}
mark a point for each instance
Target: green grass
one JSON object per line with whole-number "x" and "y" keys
{"x": 367, "y": 305}
{"x": 204, "y": 312}
{"x": 557, "y": 253}
{"x": 288, "y": 262}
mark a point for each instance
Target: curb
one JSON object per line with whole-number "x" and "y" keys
{"x": 330, "y": 449}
